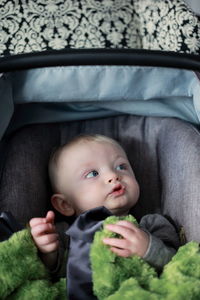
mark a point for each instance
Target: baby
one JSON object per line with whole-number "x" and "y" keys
{"x": 93, "y": 171}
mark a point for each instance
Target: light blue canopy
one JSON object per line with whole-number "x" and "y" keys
{"x": 80, "y": 92}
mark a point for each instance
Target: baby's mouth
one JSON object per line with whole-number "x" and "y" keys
{"x": 118, "y": 190}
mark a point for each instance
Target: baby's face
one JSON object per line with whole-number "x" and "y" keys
{"x": 93, "y": 174}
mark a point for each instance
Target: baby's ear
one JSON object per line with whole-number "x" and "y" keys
{"x": 61, "y": 204}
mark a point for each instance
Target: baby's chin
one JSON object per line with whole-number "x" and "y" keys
{"x": 119, "y": 206}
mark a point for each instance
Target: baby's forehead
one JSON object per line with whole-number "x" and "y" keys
{"x": 88, "y": 150}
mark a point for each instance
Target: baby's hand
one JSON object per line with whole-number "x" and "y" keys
{"x": 44, "y": 233}
{"x": 134, "y": 241}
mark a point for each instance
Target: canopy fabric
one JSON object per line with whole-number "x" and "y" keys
{"x": 57, "y": 94}
{"x": 37, "y": 25}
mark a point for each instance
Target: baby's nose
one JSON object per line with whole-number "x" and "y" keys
{"x": 113, "y": 178}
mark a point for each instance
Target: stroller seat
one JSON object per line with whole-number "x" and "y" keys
{"x": 126, "y": 69}
{"x": 164, "y": 153}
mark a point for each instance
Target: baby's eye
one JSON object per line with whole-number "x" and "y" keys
{"x": 91, "y": 174}
{"x": 121, "y": 167}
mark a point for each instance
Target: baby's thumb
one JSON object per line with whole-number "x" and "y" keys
{"x": 50, "y": 217}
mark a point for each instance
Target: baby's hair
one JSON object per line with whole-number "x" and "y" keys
{"x": 56, "y": 153}
{"x": 90, "y": 138}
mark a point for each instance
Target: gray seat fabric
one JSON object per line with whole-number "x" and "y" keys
{"x": 164, "y": 153}
{"x": 179, "y": 156}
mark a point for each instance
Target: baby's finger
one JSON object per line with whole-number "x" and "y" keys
{"x": 50, "y": 247}
{"x": 47, "y": 239}
{"x": 42, "y": 229}
{"x": 127, "y": 224}
{"x": 50, "y": 217}
{"x": 121, "y": 252}
{"x": 123, "y": 231}
{"x": 36, "y": 221}
{"x": 119, "y": 243}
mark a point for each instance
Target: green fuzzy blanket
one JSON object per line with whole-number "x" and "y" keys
{"x": 23, "y": 276}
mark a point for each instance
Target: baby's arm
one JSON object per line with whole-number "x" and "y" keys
{"x": 134, "y": 241}
{"x": 46, "y": 238}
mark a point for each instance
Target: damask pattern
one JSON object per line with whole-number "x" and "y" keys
{"x": 37, "y": 25}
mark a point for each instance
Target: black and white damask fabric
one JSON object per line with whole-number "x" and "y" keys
{"x": 38, "y": 25}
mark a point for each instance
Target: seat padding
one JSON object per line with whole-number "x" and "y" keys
{"x": 164, "y": 153}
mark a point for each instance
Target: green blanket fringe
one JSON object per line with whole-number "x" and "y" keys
{"x": 23, "y": 276}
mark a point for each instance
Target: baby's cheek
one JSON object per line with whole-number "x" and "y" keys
{"x": 135, "y": 188}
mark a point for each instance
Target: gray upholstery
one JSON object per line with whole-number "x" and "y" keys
{"x": 164, "y": 154}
